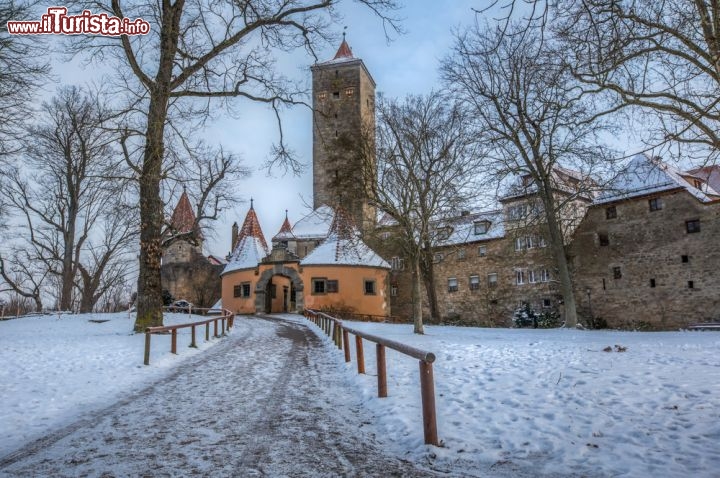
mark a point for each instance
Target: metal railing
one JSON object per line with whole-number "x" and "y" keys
{"x": 339, "y": 333}
{"x": 225, "y": 319}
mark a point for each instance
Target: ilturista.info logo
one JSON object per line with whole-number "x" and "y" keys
{"x": 57, "y": 22}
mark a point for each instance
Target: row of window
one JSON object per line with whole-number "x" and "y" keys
{"x": 654, "y": 204}
{"x": 617, "y": 274}
{"x": 322, "y": 285}
{"x": 692, "y": 226}
{"x": 349, "y": 92}
{"x": 529, "y": 242}
{"x": 522, "y": 276}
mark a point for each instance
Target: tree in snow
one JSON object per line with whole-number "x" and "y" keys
{"x": 199, "y": 53}
{"x": 533, "y": 118}
{"x": 427, "y": 166}
{"x": 68, "y": 192}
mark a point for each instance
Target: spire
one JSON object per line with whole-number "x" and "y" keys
{"x": 183, "y": 217}
{"x": 344, "y": 51}
{"x": 285, "y": 231}
{"x": 251, "y": 227}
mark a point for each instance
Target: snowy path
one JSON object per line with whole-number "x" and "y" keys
{"x": 253, "y": 405}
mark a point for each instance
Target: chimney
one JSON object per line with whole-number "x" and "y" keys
{"x": 233, "y": 239}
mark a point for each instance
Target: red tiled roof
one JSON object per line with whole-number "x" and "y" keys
{"x": 285, "y": 231}
{"x": 183, "y": 217}
{"x": 344, "y": 51}
{"x": 251, "y": 228}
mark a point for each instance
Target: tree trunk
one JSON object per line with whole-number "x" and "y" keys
{"x": 428, "y": 276}
{"x": 149, "y": 299}
{"x": 417, "y": 297}
{"x": 557, "y": 244}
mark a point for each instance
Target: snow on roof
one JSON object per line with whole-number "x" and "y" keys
{"x": 285, "y": 232}
{"x": 215, "y": 260}
{"x": 344, "y": 246}
{"x": 251, "y": 246}
{"x": 315, "y": 225}
{"x": 474, "y": 227}
{"x": 644, "y": 175}
{"x": 563, "y": 180}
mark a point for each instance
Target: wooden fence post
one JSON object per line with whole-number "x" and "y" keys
{"x": 147, "y": 348}
{"x": 207, "y": 331}
{"x": 381, "y": 372}
{"x": 359, "y": 353}
{"x": 192, "y": 337}
{"x": 173, "y": 342}
{"x": 223, "y": 326}
{"x": 427, "y": 391}
{"x": 346, "y": 344}
{"x": 215, "y": 328}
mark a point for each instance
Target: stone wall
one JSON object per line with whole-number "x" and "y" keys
{"x": 668, "y": 277}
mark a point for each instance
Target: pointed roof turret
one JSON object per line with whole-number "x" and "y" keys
{"x": 344, "y": 51}
{"x": 285, "y": 232}
{"x": 251, "y": 245}
{"x": 183, "y": 217}
{"x": 344, "y": 246}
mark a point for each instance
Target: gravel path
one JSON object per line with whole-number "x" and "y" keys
{"x": 250, "y": 406}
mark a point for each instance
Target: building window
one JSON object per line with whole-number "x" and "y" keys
{"x": 397, "y": 263}
{"x": 692, "y": 225}
{"x": 517, "y": 212}
{"x": 541, "y": 241}
{"x": 655, "y": 204}
{"x": 369, "y": 287}
{"x": 237, "y": 290}
{"x": 385, "y": 236}
{"x": 545, "y": 275}
{"x": 492, "y": 279}
{"x": 482, "y": 251}
{"x": 611, "y": 212}
{"x": 332, "y": 286}
{"x": 519, "y": 277}
{"x": 349, "y": 92}
{"x": 439, "y": 257}
{"x": 452, "y": 284}
{"x": 443, "y": 233}
{"x": 617, "y": 273}
{"x": 603, "y": 239}
{"x": 336, "y": 95}
{"x": 481, "y": 227}
{"x": 652, "y": 283}
{"x": 393, "y": 290}
{"x": 532, "y": 277}
{"x": 691, "y": 284}
{"x": 318, "y": 286}
{"x": 322, "y": 96}
{"x": 685, "y": 259}
{"x": 546, "y": 303}
{"x": 461, "y": 254}
{"x": 245, "y": 289}
{"x": 474, "y": 282}
{"x": 520, "y": 243}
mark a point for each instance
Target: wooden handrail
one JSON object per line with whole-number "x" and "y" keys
{"x": 225, "y": 316}
{"x": 340, "y": 337}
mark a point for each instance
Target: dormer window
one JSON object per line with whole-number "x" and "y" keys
{"x": 443, "y": 233}
{"x": 481, "y": 227}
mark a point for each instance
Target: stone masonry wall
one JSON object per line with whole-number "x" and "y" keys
{"x": 668, "y": 277}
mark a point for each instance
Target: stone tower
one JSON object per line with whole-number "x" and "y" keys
{"x": 343, "y": 127}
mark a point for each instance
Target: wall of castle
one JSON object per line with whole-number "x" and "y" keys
{"x": 652, "y": 273}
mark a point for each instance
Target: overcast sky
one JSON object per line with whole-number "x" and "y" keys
{"x": 406, "y": 65}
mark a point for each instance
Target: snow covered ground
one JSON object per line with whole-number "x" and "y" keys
{"x": 510, "y": 402}
{"x": 55, "y": 368}
{"x": 553, "y": 401}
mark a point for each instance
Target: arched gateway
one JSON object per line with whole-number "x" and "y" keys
{"x": 262, "y": 289}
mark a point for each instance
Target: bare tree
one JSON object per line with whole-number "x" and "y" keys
{"x": 662, "y": 58}
{"x": 23, "y": 276}
{"x": 22, "y": 70}
{"x": 198, "y": 51}
{"x": 74, "y": 223}
{"x": 426, "y": 168}
{"x": 533, "y": 118}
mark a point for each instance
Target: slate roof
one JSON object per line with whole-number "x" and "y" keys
{"x": 644, "y": 175}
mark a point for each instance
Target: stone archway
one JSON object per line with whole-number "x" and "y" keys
{"x": 262, "y": 286}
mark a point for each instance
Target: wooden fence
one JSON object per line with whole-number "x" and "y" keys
{"x": 339, "y": 333}
{"x": 224, "y": 320}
